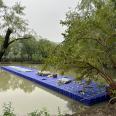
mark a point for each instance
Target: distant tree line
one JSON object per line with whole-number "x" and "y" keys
{"x": 32, "y": 50}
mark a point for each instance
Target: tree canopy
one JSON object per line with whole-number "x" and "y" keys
{"x": 13, "y": 17}
{"x": 34, "y": 50}
{"x": 13, "y": 26}
{"x": 90, "y": 40}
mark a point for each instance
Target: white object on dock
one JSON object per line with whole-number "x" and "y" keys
{"x": 20, "y": 69}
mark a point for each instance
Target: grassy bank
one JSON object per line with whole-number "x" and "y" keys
{"x": 105, "y": 110}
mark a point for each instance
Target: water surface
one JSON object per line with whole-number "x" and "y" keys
{"x": 27, "y": 96}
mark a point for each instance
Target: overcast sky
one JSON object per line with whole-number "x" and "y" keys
{"x": 44, "y": 16}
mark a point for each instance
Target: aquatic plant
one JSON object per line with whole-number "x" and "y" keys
{"x": 42, "y": 112}
{"x": 8, "y": 110}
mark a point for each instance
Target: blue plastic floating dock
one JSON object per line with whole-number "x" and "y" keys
{"x": 93, "y": 93}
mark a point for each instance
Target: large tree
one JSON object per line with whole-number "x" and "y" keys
{"x": 90, "y": 41}
{"x": 13, "y": 26}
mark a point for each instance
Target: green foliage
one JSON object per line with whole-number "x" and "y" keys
{"x": 113, "y": 93}
{"x": 1, "y": 3}
{"x": 90, "y": 41}
{"x": 30, "y": 50}
{"x": 1, "y": 40}
{"x": 18, "y": 8}
{"x": 8, "y": 111}
{"x": 59, "y": 112}
{"x": 12, "y": 17}
{"x": 12, "y": 25}
{"x": 43, "y": 112}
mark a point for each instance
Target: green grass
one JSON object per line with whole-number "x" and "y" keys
{"x": 8, "y": 110}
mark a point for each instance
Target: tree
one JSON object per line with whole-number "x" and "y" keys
{"x": 90, "y": 41}
{"x": 34, "y": 49}
{"x": 45, "y": 48}
{"x": 29, "y": 48}
{"x": 12, "y": 22}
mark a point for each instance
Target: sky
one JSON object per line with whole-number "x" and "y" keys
{"x": 44, "y": 16}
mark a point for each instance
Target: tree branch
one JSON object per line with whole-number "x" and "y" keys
{"x": 7, "y": 38}
{"x": 18, "y": 39}
{"x": 103, "y": 74}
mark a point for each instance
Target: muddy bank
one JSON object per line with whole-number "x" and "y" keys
{"x": 107, "y": 110}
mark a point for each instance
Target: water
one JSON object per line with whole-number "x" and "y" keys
{"x": 27, "y": 96}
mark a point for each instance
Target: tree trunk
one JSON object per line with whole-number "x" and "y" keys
{"x": 5, "y": 43}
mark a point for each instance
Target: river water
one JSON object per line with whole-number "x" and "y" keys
{"x": 26, "y": 96}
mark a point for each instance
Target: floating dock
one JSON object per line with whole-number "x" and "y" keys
{"x": 89, "y": 95}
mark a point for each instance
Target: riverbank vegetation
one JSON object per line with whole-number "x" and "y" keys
{"x": 33, "y": 50}
{"x": 99, "y": 111}
{"x": 89, "y": 46}
{"x": 9, "y": 111}
{"x": 17, "y": 41}
{"x": 90, "y": 42}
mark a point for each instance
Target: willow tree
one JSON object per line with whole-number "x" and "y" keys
{"x": 13, "y": 26}
{"x": 90, "y": 41}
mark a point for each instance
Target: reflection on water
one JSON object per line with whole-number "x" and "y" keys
{"x": 27, "y": 96}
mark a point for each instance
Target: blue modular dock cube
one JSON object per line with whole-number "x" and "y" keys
{"x": 93, "y": 94}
